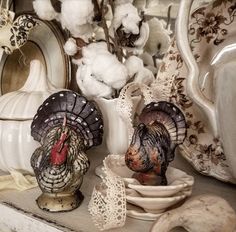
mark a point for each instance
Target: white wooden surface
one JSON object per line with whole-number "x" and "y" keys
{"x": 19, "y": 212}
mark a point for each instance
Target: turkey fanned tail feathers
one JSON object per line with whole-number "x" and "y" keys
{"x": 171, "y": 117}
{"x": 81, "y": 115}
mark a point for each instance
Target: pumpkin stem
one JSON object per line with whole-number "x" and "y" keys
{"x": 37, "y": 79}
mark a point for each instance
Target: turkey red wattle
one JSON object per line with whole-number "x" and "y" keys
{"x": 59, "y": 151}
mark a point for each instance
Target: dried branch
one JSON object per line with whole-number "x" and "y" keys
{"x": 104, "y": 25}
{"x": 97, "y": 12}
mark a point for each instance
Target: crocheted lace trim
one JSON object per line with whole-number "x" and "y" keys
{"x": 125, "y": 104}
{"x": 161, "y": 88}
{"x": 108, "y": 201}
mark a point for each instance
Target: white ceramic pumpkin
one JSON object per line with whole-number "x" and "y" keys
{"x": 17, "y": 110}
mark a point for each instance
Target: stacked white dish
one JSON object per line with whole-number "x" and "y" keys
{"x": 149, "y": 202}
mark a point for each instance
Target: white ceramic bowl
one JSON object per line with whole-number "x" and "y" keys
{"x": 178, "y": 181}
{"x": 153, "y": 205}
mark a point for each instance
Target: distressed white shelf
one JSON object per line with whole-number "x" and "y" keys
{"x": 19, "y": 212}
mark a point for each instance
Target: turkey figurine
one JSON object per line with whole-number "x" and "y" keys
{"x": 66, "y": 125}
{"x": 162, "y": 128}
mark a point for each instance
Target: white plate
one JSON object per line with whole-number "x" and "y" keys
{"x": 177, "y": 181}
{"x": 138, "y": 213}
{"x": 154, "y": 205}
{"x": 47, "y": 41}
{"x": 212, "y": 36}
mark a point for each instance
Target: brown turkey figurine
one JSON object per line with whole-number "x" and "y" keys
{"x": 161, "y": 129}
{"x": 66, "y": 125}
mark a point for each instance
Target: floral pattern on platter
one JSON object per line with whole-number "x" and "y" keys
{"x": 210, "y": 26}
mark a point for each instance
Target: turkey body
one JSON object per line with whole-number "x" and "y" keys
{"x": 66, "y": 125}
{"x": 162, "y": 127}
{"x": 66, "y": 177}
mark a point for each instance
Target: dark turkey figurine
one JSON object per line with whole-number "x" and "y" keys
{"x": 66, "y": 125}
{"x": 162, "y": 128}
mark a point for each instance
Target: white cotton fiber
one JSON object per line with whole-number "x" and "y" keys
{"x": 89, "y": 85}
{"x": 70, "y": 47}
{"x": 159, "y": 38}
{"x": 136, "y": 68}
{"x": 76, "y": 16}
{"x": 144, "y": 76}
{"x": 133, "y": 65}
{"x": 44, "y": 9}
{"x": 108, "y": 69}
{"x": 126, "y": 15}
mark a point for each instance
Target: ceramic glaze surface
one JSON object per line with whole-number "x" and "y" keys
{"x": 23, "y": 104}
{"x": 155, "y": 205}
{"x": 225, "y": 96}
{"x": 149, "y": 202}
{"x": 49, "y": 41}
{"x": 203, "y": 213}
{"x": 17, "y": 145}
{"x": 211, "y": 37}
{"x": 116, "y": 134}
{"x": 178, "y": 181}
{"x": 17, "y": 111}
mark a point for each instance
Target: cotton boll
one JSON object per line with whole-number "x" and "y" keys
{"x": 136, "y": 68}
{"x": 131, "y": 24}
{"x": 76, "y": 16}
{"x": 84, "y": 31}
{"x": 77, "y": 12}
{"x": 108, "y": 69}
{"x": 144, "y": 76}
{"x": 133, "y": 65}
{"x": 144, "y": 35}
{"x": 105, "y": 66}
{"x": 70, "y": 47}
{"x": 92, "y": 50}
{"x": 44, "y": 9}
{"x": 89, "y": 85}
{"x": 159, "y": 39}
{"x": 126, "y": 15}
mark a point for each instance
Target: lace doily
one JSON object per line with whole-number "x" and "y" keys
{"x": 108, "y": 201}
{"x": 125, "y": 104}
{"x": 161, "y": 88}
